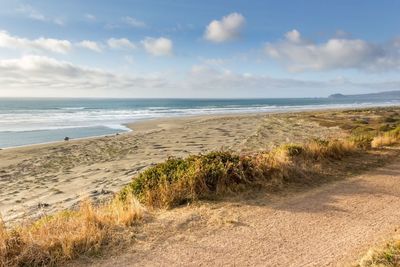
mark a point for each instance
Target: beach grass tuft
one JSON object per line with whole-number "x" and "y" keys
{"x": 66, "y": 235}
{"x": 387, "y": 138}
{"x": 389, "y": 256}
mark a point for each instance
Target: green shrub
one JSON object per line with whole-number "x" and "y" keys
{"x": 177, "y": 181}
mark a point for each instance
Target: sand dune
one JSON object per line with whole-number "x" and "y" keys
{"x": 44, "y": 178}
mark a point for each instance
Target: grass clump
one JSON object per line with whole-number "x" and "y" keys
{"x": 332, "y": 149}
{"x": 387, "y": 138}
{"x": 362, "y": 140}
{"x": 178, "y": 181}
{"x": 66, "y": 235}
{"x": 292, "y": 149}
{"x": 389, "y": 256}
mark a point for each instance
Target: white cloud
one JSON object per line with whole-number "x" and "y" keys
{"x": 59, "y": 21}
{"x": 121, "y": 43}
{"x": 44, "y": 76}
{"x": 226, "y": 29}
{"x": 31, "y": 12}
{"x": 34, "y": 14}
{"x": 299, "y": 54}
{"x": 43, "y": 44}
{"x": 206, "y": 80}
{"x": 133, "y": 22}
{"x": 126, "y": 22}
{"x": 91, "y": 45}
{"x": 36, "y": 74}
{"x": 216, "y": 62}
{"x": 293, "y": 36}
{"x": 90, "y": 17}
{"x": 54, "y": 45}
{"x": 158, "y": 46}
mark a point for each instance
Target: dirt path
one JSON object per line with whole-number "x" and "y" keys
{"x": 327, "y": 226}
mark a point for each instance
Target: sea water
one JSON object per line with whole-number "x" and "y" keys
{"x": 25, "y": 121}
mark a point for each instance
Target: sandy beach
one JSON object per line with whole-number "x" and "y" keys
{"x": 40, "y": 179}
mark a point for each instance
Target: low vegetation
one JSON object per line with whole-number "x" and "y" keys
{"x": 55, "y": 239}
{"x": 375, "y": 127}
{"x": 66, "y": 235}
{"x": 177, "y": 181}
{"x": 388, "y": 256}
{"x": 387, "y": 138}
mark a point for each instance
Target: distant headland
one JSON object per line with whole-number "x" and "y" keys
{"x": 389, "y": 95}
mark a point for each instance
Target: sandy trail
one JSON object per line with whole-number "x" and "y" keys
{"x": 331, "y": 225}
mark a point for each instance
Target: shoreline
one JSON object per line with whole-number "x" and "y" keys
{"x": 130, "y": 126}
{"x": 62, "y": 141}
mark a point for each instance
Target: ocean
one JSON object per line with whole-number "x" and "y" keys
{"x": 26, "y": 121}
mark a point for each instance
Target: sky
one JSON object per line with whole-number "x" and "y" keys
{"x": 198, "y": 49}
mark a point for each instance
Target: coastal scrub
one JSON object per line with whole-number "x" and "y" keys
{"x": 178, "y": 181}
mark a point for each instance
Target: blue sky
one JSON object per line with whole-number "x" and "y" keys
{"x": 198, "y": 48}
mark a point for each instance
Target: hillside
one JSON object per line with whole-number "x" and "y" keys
{"x": 388, "y": 95}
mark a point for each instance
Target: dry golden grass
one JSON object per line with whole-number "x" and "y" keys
{"x": 335, "y": 149}
{"x": 386, "y": 138}
{"x": 389, "y": 256}
{"x": 383, "y": 140}
{"x": 66, "y": 235}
